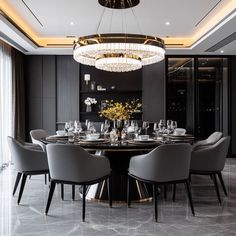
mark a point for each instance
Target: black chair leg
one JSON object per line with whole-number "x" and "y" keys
{"x": 73, "y": 192}
{"x": 216, "y": 187}
{"x": 16, "y": 182}
{"x": 84, "y": 194}
{"x": 45, "y": 178}
{"x": 187, "y": 186}
{"x": 50, "y": 195}
{"x": 165, "y": 191}
{"x": 174, "y": 191}
{"x": 155, "y": 200}
{"x": 128, "y": 191}
{"x": 222, "y": 183}
{"x": 109, "y": 190}
{"x": 62, "y": 191}
{"x": 24, "y": 177}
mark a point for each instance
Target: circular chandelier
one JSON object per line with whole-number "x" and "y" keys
{"x": 118, "y": 52}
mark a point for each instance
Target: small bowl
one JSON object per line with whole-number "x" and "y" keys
{"x": 60, "y": 132}
{"x": 179, "y": 131}
{"x": 93, "y": 136}
{"x": 143, "y": 137}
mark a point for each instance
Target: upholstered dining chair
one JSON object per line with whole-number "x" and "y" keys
{"x": 36, "y": 136}
{"x": 211, "y": 161}
{"x": 27, "y": 161}
{"x": 166, "y": 164}
{"x": 71, "y": 164}
{"x": 212, "y": 139}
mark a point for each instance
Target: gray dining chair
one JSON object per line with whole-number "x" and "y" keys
{"x": 212, "y": 139}
{"x": 71, "y": 164}
{"x": 27, "y": 161}
{"x": 36, "y": 136}
{"x": 211, "y": 161}
{"x": 166, "y": 164}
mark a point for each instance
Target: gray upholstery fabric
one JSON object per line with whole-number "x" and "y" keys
{"x": 212, "y": 139}
{"x": 73, "y": 163}
{"x": 27, "y": 159}
{"x": 165, "y": 163}
{"x": 211, "y": 158}
{"x": 36, "y": 135}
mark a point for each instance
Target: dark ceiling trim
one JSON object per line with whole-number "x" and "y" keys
{"x": 207, "y": 13}
{"x": 229, "y": 39}
{"x": 11, "y": 42}
{"x": 18, "y": 28}
{"x": 32, "y": 13}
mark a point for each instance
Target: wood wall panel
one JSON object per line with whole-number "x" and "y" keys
{"x": 154, "y": 92}
{"x": 67, "y": 89}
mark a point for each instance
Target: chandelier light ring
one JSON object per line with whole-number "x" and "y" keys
{"x": 146, "y": 49}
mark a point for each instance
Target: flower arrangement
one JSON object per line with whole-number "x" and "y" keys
{"x": 119, "y": 110}
{"x": 89, "y": 101}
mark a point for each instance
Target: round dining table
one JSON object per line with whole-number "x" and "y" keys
{"x": 119, "y": 154}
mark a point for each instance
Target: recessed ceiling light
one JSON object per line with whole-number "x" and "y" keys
{"x": 72, "y": 23}
{"x": 222, "y": 51}
{"x": 167, "y": 23}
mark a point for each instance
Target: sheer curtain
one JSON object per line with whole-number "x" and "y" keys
{"x": 5, "y": 102}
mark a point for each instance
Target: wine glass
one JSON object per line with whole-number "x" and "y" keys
{"x": 173, "y": 125}
{"x": 156, "y": 128}
{"x": 90, "y": 127}
{"x": 67, "y": 126}
{"x": 161, "y": 125}
{"x": 78, "y": 126}
{"x": 145, "y": 126}
{"x": 107, "y": 125}
{"x": 168, "y": 124}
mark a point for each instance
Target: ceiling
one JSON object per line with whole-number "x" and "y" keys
{"x": 50, "y": 27}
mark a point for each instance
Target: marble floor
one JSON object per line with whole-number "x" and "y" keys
{"x": 64, "y": 217}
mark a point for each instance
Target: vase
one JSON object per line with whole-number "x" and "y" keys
{"x": 118, "y": 125}
{"x": 88, "y": 108}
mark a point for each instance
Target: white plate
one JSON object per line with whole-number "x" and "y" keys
{"x": 93, "y": 140}
{"x": 144, "y": 141}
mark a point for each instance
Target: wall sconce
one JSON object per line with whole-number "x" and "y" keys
{"x": 87, "y": 78}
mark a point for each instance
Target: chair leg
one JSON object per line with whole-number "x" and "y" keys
{"x": 216, "y": 187}
{"x": 222, "y": 183}
{"x": 165, "y": 191}
{"x": 50, "y": 195}
{"x": 73, "y": 192}
{"x": 128, "y": 191}
{"x": 16, "y": 182}
{"x": 84, "y": 194}
{"x": 155, "y": 200}
{"x": 45, "y": 178}
{"x": 109, "y": 190}
{"x": 188, "y": 190}
{"x": 174, "y": 191}
{"x": 62, "y": 191}
{"x": 24, "y": 177}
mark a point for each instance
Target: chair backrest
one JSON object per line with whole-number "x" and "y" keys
{"x": 36, "y": 136}
{"x": 72, "y": 163}
{"x": 165, "y": 163}
{"x": 26, "y": 159}
{"x": 211, "y": 158}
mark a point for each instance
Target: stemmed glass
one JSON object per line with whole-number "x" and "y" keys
{"x": 156, "y": 128}
{"x": 173, "y": 125}
{"x": 168, "y": 124}
{"x": 90, "y": 127}
{"x": 145, "y": 126}
{"x": 161, "y": 126}
{"x": 107, "y": 125}
{"x": 67, "y": 126}
{"x": 78, "y": 126}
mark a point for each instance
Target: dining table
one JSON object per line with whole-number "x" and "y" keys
{"x": 119, "y": 154}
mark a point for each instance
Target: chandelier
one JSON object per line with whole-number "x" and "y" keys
{"x": 119, "y": 52}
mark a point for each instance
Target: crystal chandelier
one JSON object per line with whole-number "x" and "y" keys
{"x": 119, "y": 52}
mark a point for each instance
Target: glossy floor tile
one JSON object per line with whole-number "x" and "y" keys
{"x": 64, "y": 217}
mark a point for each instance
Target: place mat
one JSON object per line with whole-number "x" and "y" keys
{"x": 184, "y": 136}
{"x": 55, "y": 137}
{"x": 91, "y": 142}
{"x": 142, "y": 142}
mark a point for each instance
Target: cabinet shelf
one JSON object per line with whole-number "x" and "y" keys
{"x": 110, "y": 91}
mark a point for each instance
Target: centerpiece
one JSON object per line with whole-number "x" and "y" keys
{"x": 118, "y": 112}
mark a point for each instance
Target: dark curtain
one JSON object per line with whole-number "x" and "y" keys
{"x": 18, "y": 95}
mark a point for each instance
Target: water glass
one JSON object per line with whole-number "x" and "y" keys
{"x": 145, "y": 126}
{"x": 173, "y": 125}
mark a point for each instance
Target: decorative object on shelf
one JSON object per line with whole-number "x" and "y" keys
{"x": 89, "y": 102}
{"x": 113, "y": 87}
{"x": 100, "y": 88}
{"x": 87, "y": 78}
{"x": 119, "y": 110}
{"x": 118, "y": 52}
{"x": 93, "y": 85}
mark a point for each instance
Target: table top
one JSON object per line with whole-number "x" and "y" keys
{"x": 126, "y": 145}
